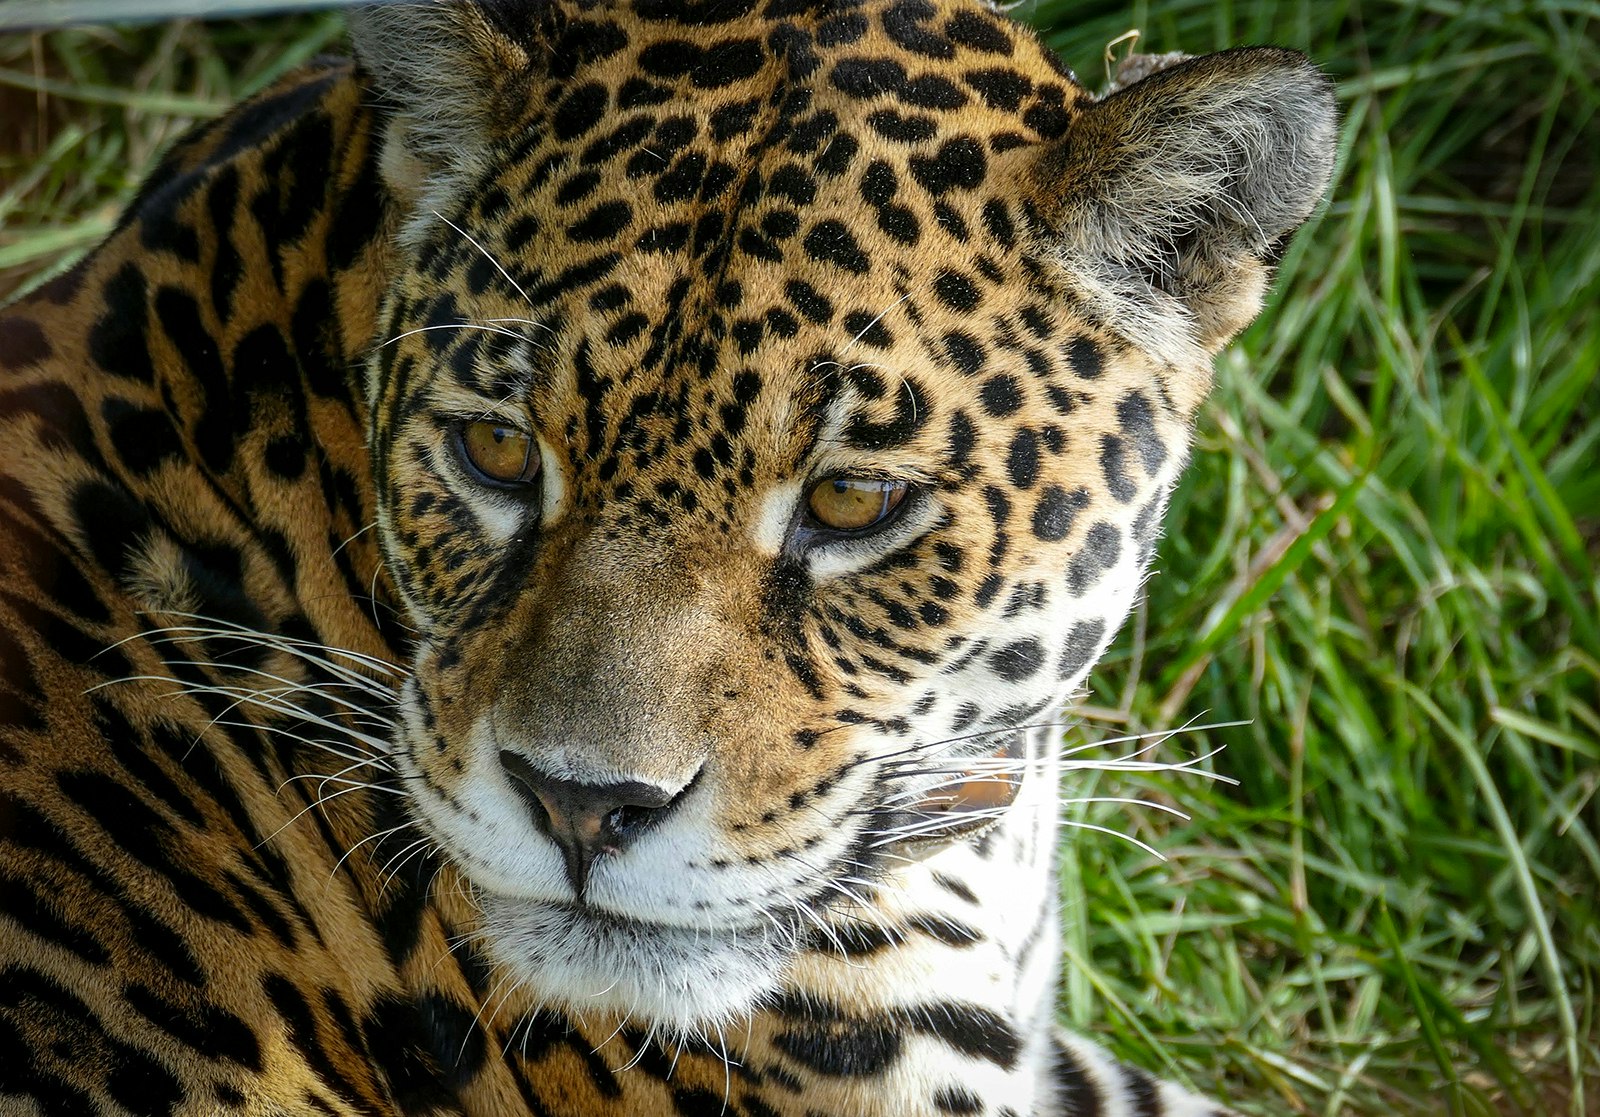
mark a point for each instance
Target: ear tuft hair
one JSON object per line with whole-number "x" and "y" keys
{"x": 1171, "y": 197}
{"x": 450, "y": 76}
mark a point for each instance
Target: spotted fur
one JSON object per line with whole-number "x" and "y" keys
{"x": 293, "y": 702}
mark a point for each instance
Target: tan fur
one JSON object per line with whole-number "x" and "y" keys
{"x": 287, "y": 683}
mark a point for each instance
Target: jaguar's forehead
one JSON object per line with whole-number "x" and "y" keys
{"x": 822, "y": 199}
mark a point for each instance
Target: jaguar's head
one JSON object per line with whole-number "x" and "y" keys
{"x": 777, "y": 403}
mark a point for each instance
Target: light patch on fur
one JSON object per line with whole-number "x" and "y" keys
{"x": 769, "y": 529}
{"x": 681, "y": 983}
{"x": 157, "y": 577}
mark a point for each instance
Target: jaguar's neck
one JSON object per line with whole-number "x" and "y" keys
{"x": 215, "y": 391}
{"x": 232, "y": 355}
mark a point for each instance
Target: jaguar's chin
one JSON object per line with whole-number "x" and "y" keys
{"x": 676, "y": 981}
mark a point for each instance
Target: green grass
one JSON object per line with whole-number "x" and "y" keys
{"x": 1382, "y": 561}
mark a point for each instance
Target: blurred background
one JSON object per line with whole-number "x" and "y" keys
{"x": 1382, "y": 561}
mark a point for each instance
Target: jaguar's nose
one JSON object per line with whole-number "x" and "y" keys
{"x": 586, "y": 820}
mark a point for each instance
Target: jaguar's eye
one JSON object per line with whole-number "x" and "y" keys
{"x": 854, "y": 503}
{"x": 500, "y": 454}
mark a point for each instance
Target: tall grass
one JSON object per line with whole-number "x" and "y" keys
{"x": 1382, "y": 561}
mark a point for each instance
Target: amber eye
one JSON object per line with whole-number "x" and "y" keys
{"x": 503, "y": 455}
{"x": 854, "y": 503}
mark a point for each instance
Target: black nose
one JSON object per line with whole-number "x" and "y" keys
{"x": 587, "y": 819}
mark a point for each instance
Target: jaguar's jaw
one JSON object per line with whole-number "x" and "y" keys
{"x": 681, "y": 983}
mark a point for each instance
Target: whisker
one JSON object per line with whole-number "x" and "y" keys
{"x": 501, "y": 330}
{"x": 881, "y": 315}
{"x": 378, "y": 837}
{"x": 487, "y": 255}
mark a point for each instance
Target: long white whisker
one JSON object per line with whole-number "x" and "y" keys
{"x": 501, "y": 330}
{"x": 487, "y": 255}
{"x": 874, "y": 322}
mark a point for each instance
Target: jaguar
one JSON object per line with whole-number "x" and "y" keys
{"x": 537, "y": 565}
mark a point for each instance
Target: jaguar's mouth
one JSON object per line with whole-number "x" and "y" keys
{"x": 596, "y": 963}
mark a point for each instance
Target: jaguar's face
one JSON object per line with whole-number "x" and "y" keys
{"x": 749, "y": 463}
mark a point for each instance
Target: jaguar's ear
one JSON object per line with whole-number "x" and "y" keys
{"x": 450, "y": 76}
{"x": 1171, "y": 197}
